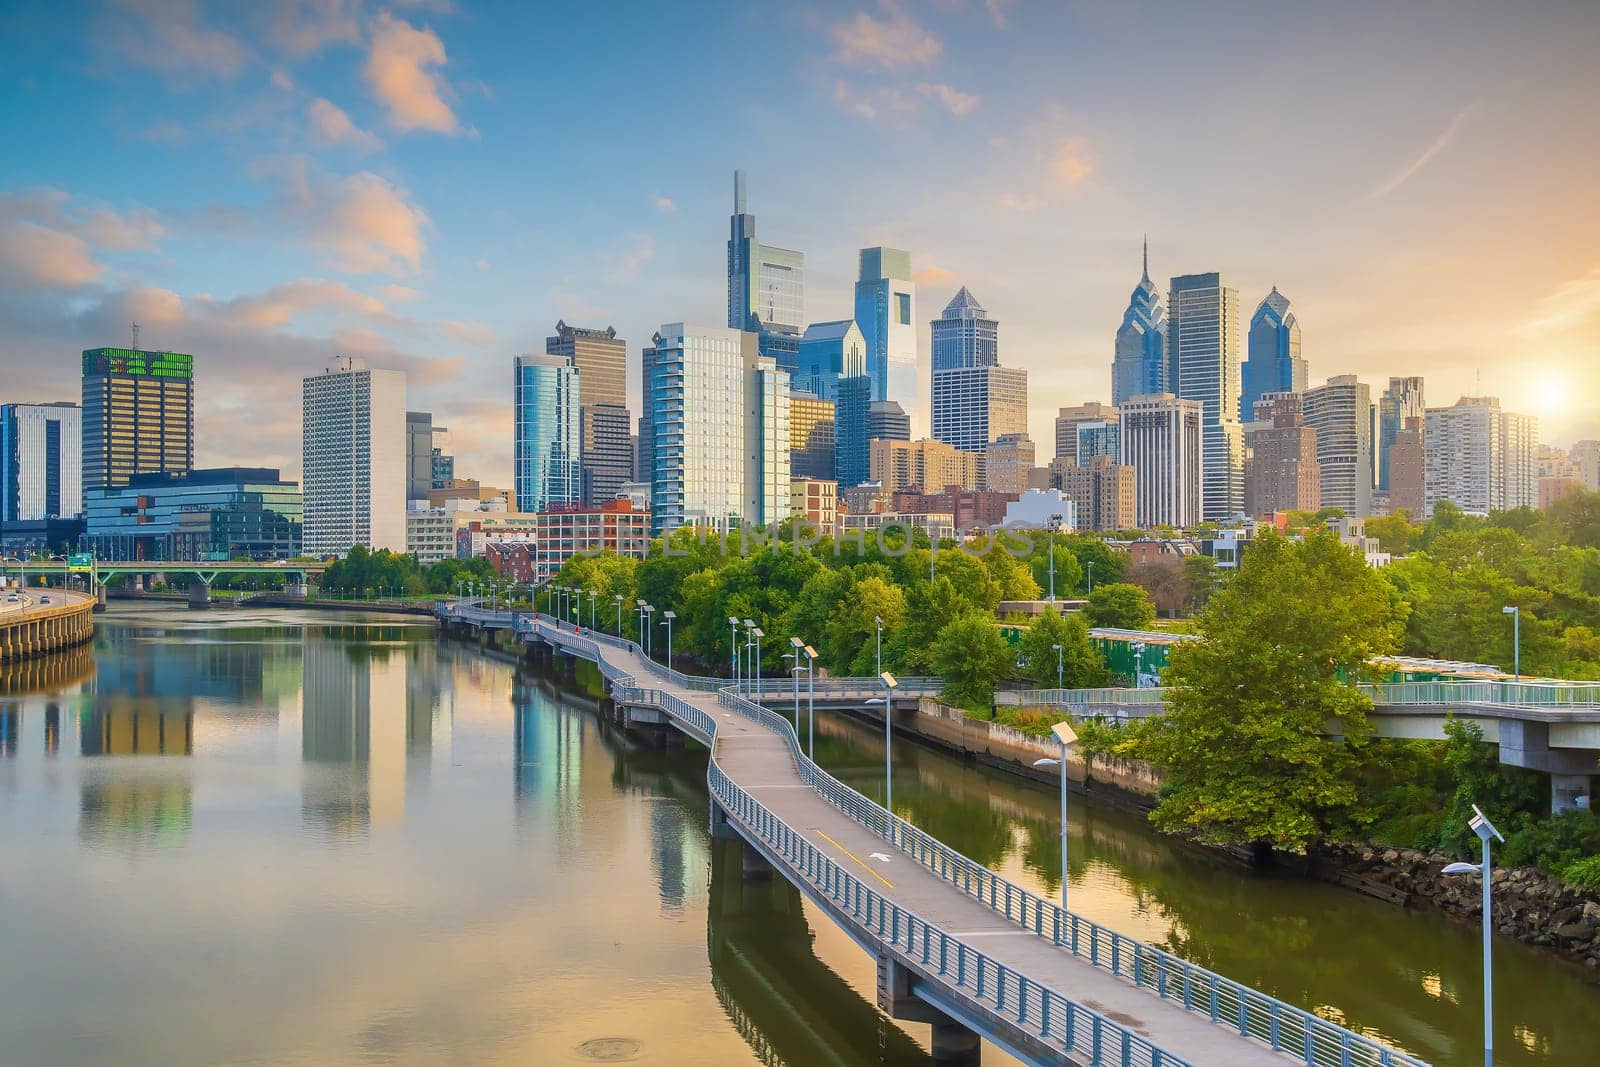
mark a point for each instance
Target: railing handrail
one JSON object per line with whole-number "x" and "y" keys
{"x": 1530, "y": 694}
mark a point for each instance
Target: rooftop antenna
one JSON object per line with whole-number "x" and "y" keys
{"x": 134, "y": 326}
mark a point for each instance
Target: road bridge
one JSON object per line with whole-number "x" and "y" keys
{"x": 202, "y": 573}
{"x": 956, "y": 945}
{"x": 43, "y": 620}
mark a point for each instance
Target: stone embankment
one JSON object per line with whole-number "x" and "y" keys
{"x": 1529, "y": 905}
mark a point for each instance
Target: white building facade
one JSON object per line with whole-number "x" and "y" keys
{"x": 353, "y": 453}
{"x": 1341, "y": 413}
{"x": 1480, "y": 458}
{"x": 1160, "y": 437}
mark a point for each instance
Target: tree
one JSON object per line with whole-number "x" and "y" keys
{"x": 1163, "y": 578}
{"x": 1394, "y": 532}
{"x": 1121, "y": 605}
{"x": 1082, "y": 666}
{"x": 971, "y": 656}
{"x": 1069, "y": 572}
{"x": 1243, "y": 742}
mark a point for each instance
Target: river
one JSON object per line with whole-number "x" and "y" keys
{"x": 269, "y": 837}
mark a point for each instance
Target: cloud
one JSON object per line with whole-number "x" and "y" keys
{"x": 398, "y": 71}
{"x": 933, "y": 274}
{"x": 1572, "y": 303}
{"x": 624, "y": 266}
{"x": 170, "y": 36}
{"x": 48, "y": 240}
{"x": 952, "y": 99}
{"x": 997, "y": 12}
{"x": 304, "y": 27}
{"x": 399, "y": 294}
{"x": 282, "y": 304}
{"x": 331, "y": 127}
{"x": 163, "y": 131}
{"x": 363, "y": 223}
{"x": 280, "y": 80}
{"x": 1071, "y": 162}
{"x": 473, "y": 333}
{"x": 664, "y": 203}
{"x": 884, "y": 101}
{"x": 891, "y": 41}
{"x": 34, "y": 256}
{"x": 1440, "y": 143}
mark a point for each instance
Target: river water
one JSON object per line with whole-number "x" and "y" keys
{"x": 275, "y": 838}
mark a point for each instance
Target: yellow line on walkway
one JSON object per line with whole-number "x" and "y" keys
{"x": 853, "y": 856}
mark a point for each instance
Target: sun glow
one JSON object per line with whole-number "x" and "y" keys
{"x": 1551, "y": 393}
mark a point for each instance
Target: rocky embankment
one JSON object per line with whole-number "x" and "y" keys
{"x": 1528, "y": 904}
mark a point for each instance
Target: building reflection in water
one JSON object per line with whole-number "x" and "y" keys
{"x": 10, "y": 729}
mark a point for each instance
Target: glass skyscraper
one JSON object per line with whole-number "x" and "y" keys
{"x": 851, "y": 430}
{"x": 548, "y": 417}
{"x": 886, "y": 311}
{"x": 1203, "y": 345}
{"x": 766, "y": 284}
{"x": 964, "y": 335}
{"x": 1275, "y": 364}
{"x": 828, "y": 352}
{"x": 1139, "y": 366}
{"x": 1401, "y": 401}
{"x": 605, "y": 445}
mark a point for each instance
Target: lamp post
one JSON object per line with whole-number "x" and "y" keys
{"x": 889, "y": 686}
{"x": 733, "y": 649}
{"x": 1066, "y": 735}
{"x": 795, "y": 645}
{"x": 667, "y": 617}
{"x": 592, "y": 597}
{"x": 749, "y": 641}
{"x": 618, "y": 598}
{"x": 1050, "y": 530}
{"x": 1516, "y": 639}
{"x": 1090, "y": 565}
{"x": 649, "y": 631}
{"x": 757, "y": 633}
{"x": 877, "y": 620}
{"x": 811, "y": 702}
{"x": 1058, "y": 665}
{"x": 1485, "y": 830}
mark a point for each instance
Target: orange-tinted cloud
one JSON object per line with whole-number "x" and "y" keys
{"x": 364, "y": 223}
{"x": 331, "y": 127}
{"x": 399, "y": 71}
{"x": 34, "y": 256}
{"x": 282, "y": 304}
{"x": 171, "y": 36}
{"x": 949, "y": 97}
{"x": 892, "y": 41}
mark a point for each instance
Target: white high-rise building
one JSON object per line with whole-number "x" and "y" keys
{"x": 886, "y": 313}
{"x": 1341, "y": 413}
{"x": 1161, "y": 439}
{"x": 718, "y": 430}
{"x": 41, "y": 466}
{"x": 353, "y": 449}
{"x": 1480, "y": 458}
{"x": 1203, "y": 351}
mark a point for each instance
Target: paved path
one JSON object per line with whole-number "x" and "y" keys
{"x": 761, "y": 762}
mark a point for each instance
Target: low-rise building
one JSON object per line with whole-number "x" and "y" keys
{"x": 1009, "y": 463}
{"x": 1040, "y": 509}
{"x": 1102, "y": 493}
{"x": 868, "y": 498}
{"x": 1353, "y": 533}
{"x": 934, "y": 524}
{"x": 430, "y": 533}
{"x": 565, "y": 531}
{"x": 815, "y": 500}
{"x": 968, "y": 507}
{"x": 218, "y": 513}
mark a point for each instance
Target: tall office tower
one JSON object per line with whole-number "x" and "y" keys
{"x": 886, "y": 312}
{"x": 1162, "y": 438}
{"x": 1408, "y": 470}
{"x": 811, "y": 436}
{"x": 1203, "y": 350}
{"x": 1274, "y": 364}
{"x": 852, "y": 430}
{"x": 766, "y": 284}
{"x": 353, "y": 456}
{"x": 602, "y": 361}
{"x": 1103, "y": 493}
{"x": 926, "y": 465}
{"x": 888, "y": 421}
{"x": 1139, "y": 365}
{"x": 1401, "y": 401}
{"x": 828, "y": 352}
{"x": 719, "y": 429}
{"x": 41, "y": 468}
{"x": 1008, "y": 464}
{"x": 419, "y": 454}
{"x": 547, "y": 409}
{"x": 974, "y": 405}
{"x": 1480, "y": 458}
{"x": 1281, "y": 472}
{"x": 1341, "y": 413}
{"x": 138, "y": 415}
{"x": 1587, "y": 455}
{"x": 1069, "y": 419}
{"x": 964, "y": 335}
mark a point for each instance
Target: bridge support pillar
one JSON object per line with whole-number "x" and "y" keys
{"x": 721, "y": 829}
{"x": 100, "y": 597}
{"x": 754, "y": 866}
{"x": 199, "y": 594}
{"x": 952, "y": 1042}
{"x": 1569, "y": 792}
{"x": 296, "y": 589}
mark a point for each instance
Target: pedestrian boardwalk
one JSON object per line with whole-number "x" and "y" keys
{"x": 1048, "y": 986}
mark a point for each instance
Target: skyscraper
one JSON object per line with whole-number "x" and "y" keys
{"x": 1162, "y": 440}
{"x": 1203, "y": 350}
{"x": 1281, "y": 471}
{"x": 1401, "y": 401}
{"x": 827, "y": 352}
{"x": 964, "y": 335}
{"x": 1275, "y": 364}
{"x": 602, "y": 361}
{"x": 41, "y": 469}
{"x": 1139, "y": 366}
{"x": 138, "y": 415}
{"x": 719, "y": 430}
{"x": 1069, "y": 419}
{"x": 888, "y": 421}
{"x": 886, "y": 312}
{"x": 1340, "y": 412}
{"x": 547, "y": 392}
{"x": 975, "y": 400}
{"x": 1408, "y": 465}
{"x": 852, "y": 430}
{"x": 353, "y": 459}
{"x": 1480, "y": 458}
{"x": 419, "y": 454}
{"x": 811, "y": 436}
{"x": 766, "y": 284}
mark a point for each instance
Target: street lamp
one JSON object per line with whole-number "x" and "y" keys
{"x": 811, "y": 702}
{"x": 1058, "y": 665}
{"x": 1050, "y": 530}
{"x": 649, "y": 632}
{"x": 1066, "y": 735}
{"x": 749, "y": 624}
{"x": 667, "y": 617}
{"x": 1485, "y": 830}
{"x": 618, "y": 598}
{"x": 877, "y": 620}
{"x": 757, "y": 633}
{"x": 592, "y": 596}
{"x": 1516, "y": 639}
{"x": 795, "y": 645}
{"x": 638, "y": 605}
{"x": 733, "y": 649}
{"x": 1089, "y": 563}
{"x": 889, "y": 686}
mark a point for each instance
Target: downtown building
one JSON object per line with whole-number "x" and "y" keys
{"x": 605, "y": 424}
{"x": 829, "y": 352}
{"x": 1069, "y": 419}
{"x": 41, "y": 470}
{"x": 138, "y": 415}
{"x": 1274, "y": 364}
{"x": 1140, "y": 364}
{"x": 766, "y": 286}
{"x": 1281, "y": 472}
{"x": 1401, "y": 402}
{"x": 353, "y": 459}
{"x": 1102, "y": 491}
{"x": 1203, "y": 345}
{"x": 975, "y": 400}
{"x": 218, "y": 514}
{"x": 546, "y": 469}
{"x": 1341, "y": 413}
{"x": 924, "y": 465}
{"x": 1162, "y": 438}
{"x": 718, "y": 436}
{"x": 886, "y": 314}
{"x": 811, "y": 437}
{"x": 1480, "y": 458}
{"x": 1009, "y": 464}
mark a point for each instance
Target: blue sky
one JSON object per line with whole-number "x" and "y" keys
{"x": 433, "y": 185}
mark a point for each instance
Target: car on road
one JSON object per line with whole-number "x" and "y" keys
{"x": 13, "y": 598}
{"x": 44, "y": 600}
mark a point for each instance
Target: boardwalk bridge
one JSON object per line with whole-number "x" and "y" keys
{"x": 956, "y": 945}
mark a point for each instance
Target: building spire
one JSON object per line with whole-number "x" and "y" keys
{"x": 1146, "y": 258}
{"x": 738, "y": 192}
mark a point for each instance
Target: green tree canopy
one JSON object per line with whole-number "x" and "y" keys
{"x": 1121, "y": 605}
{"x": 971, "y": 657}
{"x": 1082, "y": 666}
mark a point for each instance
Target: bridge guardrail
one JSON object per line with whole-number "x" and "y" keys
{"x": 1535, "y": 694}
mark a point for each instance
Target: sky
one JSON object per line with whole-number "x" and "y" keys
{"x": 430, "y": 186}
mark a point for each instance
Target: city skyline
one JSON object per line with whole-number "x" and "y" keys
{"x": 360, "y": 183}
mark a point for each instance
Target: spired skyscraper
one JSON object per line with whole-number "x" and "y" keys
{"x": 975, "y": 400}
{"x": 1203, "y": 342}
{"x": 886, "y": 313}
{"x": 1275, "y": 365}
{"x": 766, "y": 285}
{"x": 1140, "y": 366}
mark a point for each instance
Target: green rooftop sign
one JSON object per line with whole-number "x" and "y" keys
{"x": 138, "y": 363}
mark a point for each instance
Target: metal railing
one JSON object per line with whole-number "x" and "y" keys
{"x": 1070, "y": 698}
{"x": 1578, "y": 695}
